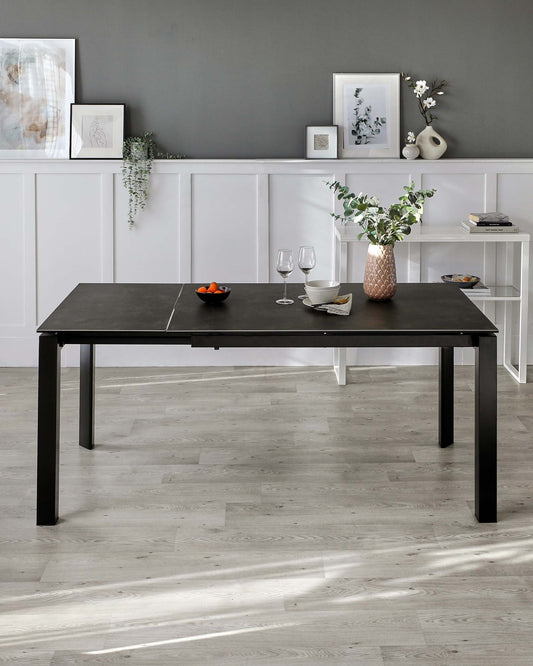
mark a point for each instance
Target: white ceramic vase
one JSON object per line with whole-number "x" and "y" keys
{"x": 431, "y": 144}
{"x": 410, "y": 151}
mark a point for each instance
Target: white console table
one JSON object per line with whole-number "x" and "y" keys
{"x": 507, "y": 293}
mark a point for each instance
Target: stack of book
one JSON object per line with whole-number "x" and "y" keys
{"x": 482, "y": 223}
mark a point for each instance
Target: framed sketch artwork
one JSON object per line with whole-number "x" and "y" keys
{"x": 97, "y": 131}
{"x": 366, "y": 107}
{"x": 36, "y": 91}
{"x": 321, "y": 142}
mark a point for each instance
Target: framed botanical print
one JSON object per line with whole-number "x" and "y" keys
{"x": 321, "y": 142}
{"x": 97, "y": 131}
{"x": 36, "y": 91}
{"x": 366, "y": 107}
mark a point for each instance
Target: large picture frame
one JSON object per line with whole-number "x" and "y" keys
{"x": 366, "y": 107}
{"x": 97, "y": 131}
{"x": 37, "y": 88}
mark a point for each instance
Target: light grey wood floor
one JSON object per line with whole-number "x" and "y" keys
{"x": 247, "y": 515}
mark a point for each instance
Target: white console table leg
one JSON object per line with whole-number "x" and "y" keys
{"x": 489, "y": 277}
{"x": 508, "y": 311}
{"x": 341, "y": 274}
{"x": 339, "y": 365}
{"x": 524, "y": 297}
{"x": 519, "y": 373}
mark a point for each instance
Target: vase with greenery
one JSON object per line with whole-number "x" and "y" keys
{"x": 138, "y": 155}
{"x": 383, "y": 227}
{"x": 430, "y": 143}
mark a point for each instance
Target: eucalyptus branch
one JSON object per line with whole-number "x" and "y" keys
{"x": 381, "y": 226}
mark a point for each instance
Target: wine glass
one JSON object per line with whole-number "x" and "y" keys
{"x": 284, "y": 267}
{"x": 306, "y": 262}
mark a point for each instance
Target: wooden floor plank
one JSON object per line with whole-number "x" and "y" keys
{"x": 265, "y": 515}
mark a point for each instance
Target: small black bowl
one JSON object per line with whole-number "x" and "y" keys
{"x": 456, "y": 279}
{"x": 208, "y": 297}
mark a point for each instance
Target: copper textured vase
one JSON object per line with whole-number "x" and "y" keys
{"x": 380, "y": 273}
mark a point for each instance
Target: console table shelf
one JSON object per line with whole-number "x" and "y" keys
{"x": 347, "y": 233}
{"x": 507, "y": 294}
{"x": 497, "y": 293}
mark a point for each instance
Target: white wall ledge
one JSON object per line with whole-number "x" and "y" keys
{"x": 330, "y": 168}
{"x": 295, "y": 160}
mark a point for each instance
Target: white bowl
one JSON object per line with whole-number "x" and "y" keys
{"x": 322, "y": 291}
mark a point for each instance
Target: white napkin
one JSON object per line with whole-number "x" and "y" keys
{"x": 342, "y": 305}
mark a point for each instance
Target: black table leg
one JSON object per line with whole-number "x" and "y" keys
{"x": 486, "y": 437}
{"x": 48, "y": 429}
{"x": 87, "y": 396}
{"x": 446, "y": 397}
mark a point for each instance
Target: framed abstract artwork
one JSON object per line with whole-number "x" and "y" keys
{"x": 321, "y": 142}
{"x": 36, "y": 90}
{"x": 366, "y": 107}
{"x": 97, "y": 131}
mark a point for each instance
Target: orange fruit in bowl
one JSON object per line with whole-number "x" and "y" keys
{"x": 213, "y": 293}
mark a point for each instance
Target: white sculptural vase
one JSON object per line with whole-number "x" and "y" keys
{"x": 431, "y": 144}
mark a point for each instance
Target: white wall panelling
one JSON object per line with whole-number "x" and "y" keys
{"x": 224, "y": 228}
{"x": 300, "y": 207}
{"x": 148, "y": 252}
{"x": 63, "y": 222}
{"x": 13, "y": 230}
{"x": 69, "y": 231}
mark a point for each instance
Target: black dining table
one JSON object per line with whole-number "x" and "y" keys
{"x": 420, "y": 315}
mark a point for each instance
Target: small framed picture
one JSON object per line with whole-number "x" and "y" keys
{"x": 366, "y": 107}
{"x": 321, "y": 142}
{"x": 96, "y": 131}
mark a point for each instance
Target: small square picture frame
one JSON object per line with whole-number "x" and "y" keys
{"x": 96, "y": 131}
{"x": 321, "y": 142}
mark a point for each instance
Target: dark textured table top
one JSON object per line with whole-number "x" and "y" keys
{"x": 113, "y": 308}
{"x": 172, "y": 309}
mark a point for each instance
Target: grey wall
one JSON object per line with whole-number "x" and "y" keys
{"x": 242, "y": 78}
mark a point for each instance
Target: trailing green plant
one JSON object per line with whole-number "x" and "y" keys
{"x": 380, "y": 225}
{"x": 138, "y": 154}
